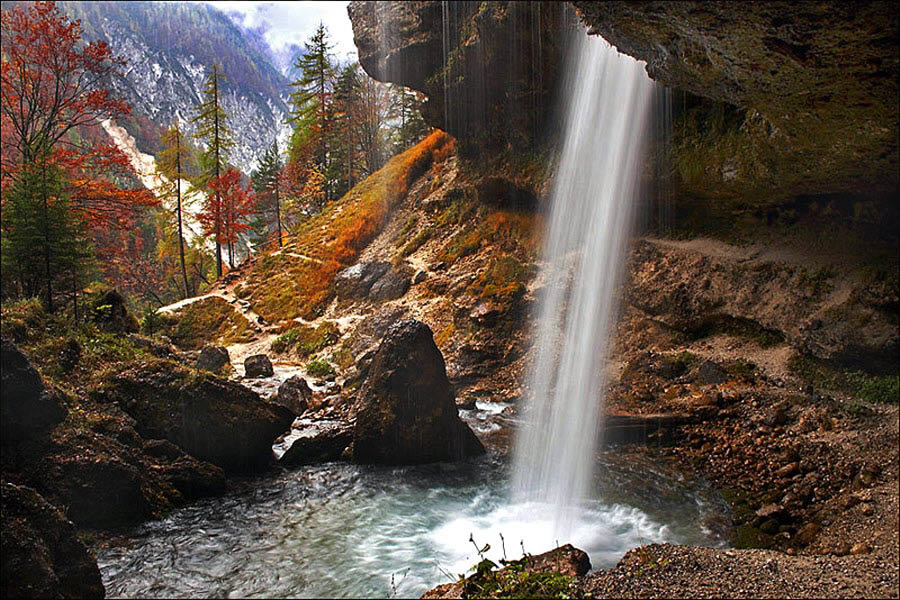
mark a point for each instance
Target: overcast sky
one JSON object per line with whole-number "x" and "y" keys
{"x": 289, "y": 23}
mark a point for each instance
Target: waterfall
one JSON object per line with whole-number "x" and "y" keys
{"x": 608, "y": 100}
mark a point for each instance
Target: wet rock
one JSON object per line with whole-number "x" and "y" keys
{"x": 356, "y": 281}
{"x": 405, "y": 412}
{"x": 212, "y": 419}
{"x": 213, "y": 359}
{"x": 103, "y": 492}
{"x": 191, "y": 477}
{"x": 466, "y": 403}
{"x": 258, "y": 365}
{"x": 393, "y": 284}
{"x": 28, "y": 408}
{"x": 294, "y": 394}
{"x": 42, "y": 554}
{"x": 325, "y": 446}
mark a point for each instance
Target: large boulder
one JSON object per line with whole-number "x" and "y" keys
{"x": 393, "y": 284}
{"x": 356, "y": 281}
{"x": 294, "y": 394}
{"x": 28, "y": 408}
{"x": 210, "y": 418}
{"x": 103, "y": 492}
{"x": 213, "y": 359}
{"x": 42, "y": 555}
{"x": 405, "y": 412}
{"x": 258, "y": 365}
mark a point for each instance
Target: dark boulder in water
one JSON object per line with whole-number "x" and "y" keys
{"x": 405, "y": 411}
{"x": 294, "y": 394}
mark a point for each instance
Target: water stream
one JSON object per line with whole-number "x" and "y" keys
{"x": 594, "y": 192}
{"x": 342, "y": 530}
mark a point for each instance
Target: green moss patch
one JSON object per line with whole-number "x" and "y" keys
{"x": 211, "y": 320}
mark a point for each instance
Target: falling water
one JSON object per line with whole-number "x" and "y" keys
{"x": 590, "y": 222}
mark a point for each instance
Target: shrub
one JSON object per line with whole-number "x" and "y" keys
{"x": 319, "y": 368}
{"x": 306, "y": 340}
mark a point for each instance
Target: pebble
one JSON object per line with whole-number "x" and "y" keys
{"x": 860, "y": 548}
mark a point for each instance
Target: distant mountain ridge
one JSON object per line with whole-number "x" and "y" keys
{"x": 169, "y": 48}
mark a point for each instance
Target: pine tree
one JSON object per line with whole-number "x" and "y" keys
{"x": 214, "y": 133}
{"x": 171, "y": 163}
{"x": 312, "y": 113}
{"x": 267, "y": 186}
{"x": 43, "y": 235}
{"x": 346, "y": 99}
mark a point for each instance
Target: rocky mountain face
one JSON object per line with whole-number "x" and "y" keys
{"x": 489, "y": 69}
{"x": 762, "y": 88}
{"x": 169, "y": 48}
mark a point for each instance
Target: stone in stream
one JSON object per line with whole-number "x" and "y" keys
{"x": 294, "y": 394}
{"x": 213, "y": 359}
{"x": 326, "y": 445}
{"x": 42, "y": 554}
{"x": 258, "y": 365}
{"x": 405, "y": 412}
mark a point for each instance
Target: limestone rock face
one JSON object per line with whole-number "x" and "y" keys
{"x": 846, "y": 319}
{"x": 490, "y": 86}
{"x": 212, "y": 419}
{"x": 817, "y": 80}
{"x": 811, "y": 85}
{"x": 42, "y": 555}
{"x": 29, "y": 409}
{"x": 405, "y": 411}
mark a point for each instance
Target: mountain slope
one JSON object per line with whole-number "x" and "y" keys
{"x": 169, "y": 48}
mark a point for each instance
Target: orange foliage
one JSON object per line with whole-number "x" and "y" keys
{"x": 287, "y": 287}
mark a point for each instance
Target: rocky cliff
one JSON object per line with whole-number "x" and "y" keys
{"x": 489, "y": 69}
{"x": 773, "y": 100}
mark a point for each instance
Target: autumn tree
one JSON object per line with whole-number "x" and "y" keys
{"x": 311, "y": 116}
{"x": 228, "y": 207}
{"x": 214, "y": 133}
{"x": 171, "y": 164}
{"x": 52, "y": 85}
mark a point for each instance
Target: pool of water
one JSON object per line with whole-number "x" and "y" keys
{"x": 342, "y": 530}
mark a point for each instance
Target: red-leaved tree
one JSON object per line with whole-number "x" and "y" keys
{"x": 227, "y": 208}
